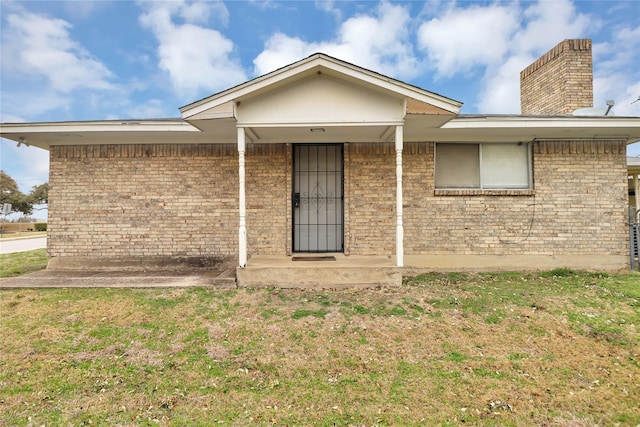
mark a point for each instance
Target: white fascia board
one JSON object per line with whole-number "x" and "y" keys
{"x": 514, "y": 122}
{"x": 328, "y": 63}
{"x": 98, "y": 126}
{"x": 242, "y": 90}
{"x": 316, "y": 124}
{"x": 623, "y": 128}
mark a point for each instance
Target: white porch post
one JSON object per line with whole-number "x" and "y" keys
{"x": 242, "y": 232}
{"x": 399, "y": 226}
{"x": 636, "y": 185}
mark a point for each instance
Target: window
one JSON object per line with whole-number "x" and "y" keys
{"x": 483, "y": 166}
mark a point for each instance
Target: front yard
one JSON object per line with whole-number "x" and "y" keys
{"x": 559, "y": 348}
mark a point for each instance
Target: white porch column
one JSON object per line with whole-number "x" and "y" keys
{"x": 636, "y": 184}
{"x": 242, "y": 232}
{"x": 399, "y": 226}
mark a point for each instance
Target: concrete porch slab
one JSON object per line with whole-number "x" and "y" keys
{"x": 344, "y": 272}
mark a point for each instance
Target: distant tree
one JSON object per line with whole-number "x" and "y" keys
{"x": 20, "y": 202}
{"x": 10, "y": 193}
{"x": 40, "y": 194}
{"x": 8, "y": 188}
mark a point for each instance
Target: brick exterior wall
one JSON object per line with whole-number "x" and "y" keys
{"x": 143, "y": 200}
{"x": 560, "y": 81}
{"x": 371, "y": 206}
{"x": 182, "y": 201}
{"x": 576, "y": 207}
{"x": 267, "y": 167}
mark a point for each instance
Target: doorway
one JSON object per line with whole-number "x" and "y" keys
{"x": 318, "y": 202}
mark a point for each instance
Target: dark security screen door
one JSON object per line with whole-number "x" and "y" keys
{"x": 317, "y": 198}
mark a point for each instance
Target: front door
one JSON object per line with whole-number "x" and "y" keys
{"x": 318, "y": 204}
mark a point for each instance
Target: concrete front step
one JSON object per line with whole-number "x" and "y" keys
{"x": 343, "y": 272}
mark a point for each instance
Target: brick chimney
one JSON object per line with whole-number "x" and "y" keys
{"x": 560, "y": 81}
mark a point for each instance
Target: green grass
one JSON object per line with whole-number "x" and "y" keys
{"x": 18, "y": 263}
{"x": 23, "y": 234}
{"x": 299, "y": 314}
{"x": 499, "y": 349}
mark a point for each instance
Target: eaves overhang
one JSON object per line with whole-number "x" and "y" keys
{"x": 517, "y": 127}
{"x": 417, "y": 127}
{"x": 45, "y": 134}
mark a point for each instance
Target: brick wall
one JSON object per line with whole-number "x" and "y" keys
{"x": 369, "y": 192}
{"x": 143, "y": 200}
{"x": 560, "y": 81}
{"x": 371, "y": 199}
{"x": 267, "y": 167}
{"x": 577, "y": 206}
{"x": 182, "y": 201}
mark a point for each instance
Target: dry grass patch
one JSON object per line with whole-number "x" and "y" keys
{"x": 559, "y": 348}
{"x": 15, "y": 264}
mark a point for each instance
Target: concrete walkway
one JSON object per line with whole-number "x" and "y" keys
{"x": 120, "y": 279}
{"x": 286, "y": 272}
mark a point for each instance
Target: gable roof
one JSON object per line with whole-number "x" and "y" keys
{"x": 426, "y": 116}
{"x": 316, "y": 64}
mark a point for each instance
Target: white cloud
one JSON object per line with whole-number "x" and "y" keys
{"x": 616, "y": 72}
{"x": 11, "y": 118}
{"x": 497, "y": 41}
{"x": 462, "y": 39}
{"x": 44, "y": 69}
{"x": 264, "y": 4}
{"x": 500, "y": 93}
{"x": 29, "y": 165}
{"x": 41, "y": 47}
{"x": 329, "y": 7}
{"x": 547, "y": 23}
{"x": 380, "y": 42}
{"x": 32, "y": 102}
{"x": 84, "y": 9}
{"x": 195, "y": 57}
{"x": 154, "y": 108}
{"x": 281, "y": 50}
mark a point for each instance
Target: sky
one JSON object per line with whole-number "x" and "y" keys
{"x": 95, "y": 60}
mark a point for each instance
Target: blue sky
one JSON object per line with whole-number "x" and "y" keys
{"x": 92, "y": 60}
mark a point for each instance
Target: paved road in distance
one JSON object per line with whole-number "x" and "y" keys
{"x": 22, "y": 245}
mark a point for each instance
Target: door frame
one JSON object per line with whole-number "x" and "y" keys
{"x": 293, "y": 186}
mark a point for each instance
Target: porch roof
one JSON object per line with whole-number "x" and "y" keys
{"x": 417, "y": 128}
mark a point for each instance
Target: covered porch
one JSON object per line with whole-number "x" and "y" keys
{"x": 320, "y": 102}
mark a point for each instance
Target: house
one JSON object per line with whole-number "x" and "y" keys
{"x": 323, "y": 156}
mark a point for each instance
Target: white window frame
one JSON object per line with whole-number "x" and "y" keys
{"x": 482, "y": 178}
